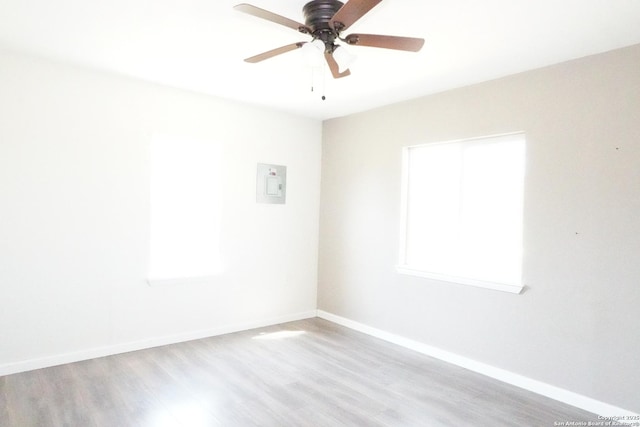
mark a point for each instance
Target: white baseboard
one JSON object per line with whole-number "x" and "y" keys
{"x": 60, "y": 359}
{"x": 538, "y": 387}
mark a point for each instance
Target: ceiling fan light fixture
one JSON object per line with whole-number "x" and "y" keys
{"x": 313, "y": 53}
{"x": 343, "y": 57}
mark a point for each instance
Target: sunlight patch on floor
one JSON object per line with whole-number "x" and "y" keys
{"x": 278, "y": 335}
{"x": 191, "y": 414}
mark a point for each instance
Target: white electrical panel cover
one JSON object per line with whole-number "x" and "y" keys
{"x": 271, "y": 184}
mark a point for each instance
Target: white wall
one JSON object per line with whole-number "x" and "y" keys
{"x": 576, "y": 325}
{"x": 74, "y": 209}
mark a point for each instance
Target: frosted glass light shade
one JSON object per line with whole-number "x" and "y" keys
{"x": 344, "y": 58}
{"x": 313, "y": 53}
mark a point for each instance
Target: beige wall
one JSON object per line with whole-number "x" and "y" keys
{"x": 576, "y": 326}
{"x": 74, "y": 215}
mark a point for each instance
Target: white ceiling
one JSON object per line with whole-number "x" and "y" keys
{"x": 199, "y": 45}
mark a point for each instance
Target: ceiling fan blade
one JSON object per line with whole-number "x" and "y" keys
{"x": 274, "y": 52}
{"x": 270, "y": 16}
{"x": 334, "y": 67}
{"x": 388, "y": 42}
{"x": 351, "y": 12}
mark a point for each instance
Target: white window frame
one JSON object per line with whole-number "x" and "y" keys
{"x": 404, "y": 268}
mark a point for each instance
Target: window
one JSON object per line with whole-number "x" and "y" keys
{"x": 462, "y": 212}
{"x": 185, "y": 210}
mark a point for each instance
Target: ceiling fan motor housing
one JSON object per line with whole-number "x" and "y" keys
{"x": 317, "y": 15}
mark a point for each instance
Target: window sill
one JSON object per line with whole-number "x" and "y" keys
{"x": 514, "y": 289}
{"x": 204, "y": 280}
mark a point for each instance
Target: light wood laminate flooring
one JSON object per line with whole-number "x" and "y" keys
{"x": 305, "y": 373}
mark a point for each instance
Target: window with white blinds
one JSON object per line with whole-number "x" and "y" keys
{"x": 462, "y": 211}
{"x": 185, "y": 210}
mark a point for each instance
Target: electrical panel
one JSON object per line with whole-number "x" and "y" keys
{"x": 271, "y": 184}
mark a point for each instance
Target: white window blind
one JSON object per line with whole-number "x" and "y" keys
{"x": 462, "y": 211}
{"x": 185, "y": 210}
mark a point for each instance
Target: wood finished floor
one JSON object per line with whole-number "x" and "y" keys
{"x": 305, "y": 373}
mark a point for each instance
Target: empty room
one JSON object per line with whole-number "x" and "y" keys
{"x": 319, "y": 213}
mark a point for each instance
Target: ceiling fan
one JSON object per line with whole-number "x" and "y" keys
{"x": 325, "y": 20}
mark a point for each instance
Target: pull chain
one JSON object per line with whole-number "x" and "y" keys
{"x": 323, "y": 83}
